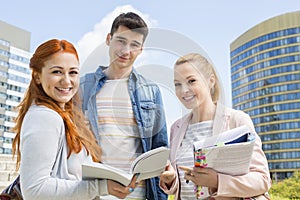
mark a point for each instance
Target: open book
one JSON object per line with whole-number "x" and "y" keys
{"x": 149, "y": 164}
{"x": 229, "y": 152}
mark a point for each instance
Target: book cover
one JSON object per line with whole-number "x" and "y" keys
{"x": 149, "y": 164}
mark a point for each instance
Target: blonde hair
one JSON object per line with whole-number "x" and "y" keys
{"x": 205, "y": 68}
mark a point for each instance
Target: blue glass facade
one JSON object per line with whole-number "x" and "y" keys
{"x": 265, "y": 75}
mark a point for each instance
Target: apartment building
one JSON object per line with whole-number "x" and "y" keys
{"x": 265, "y": 75}
{"x": 14, "y": 78}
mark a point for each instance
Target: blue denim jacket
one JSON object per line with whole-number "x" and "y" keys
{"x": 148, "y": 111}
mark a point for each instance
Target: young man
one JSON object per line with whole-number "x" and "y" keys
{"x": 125, "y": 110}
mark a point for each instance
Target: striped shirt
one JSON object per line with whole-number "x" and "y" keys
{"x": 185, "y": 156}
{"x": 119, "y": 137}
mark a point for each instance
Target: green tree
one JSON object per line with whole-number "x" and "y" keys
{"x": 287, "y": 189}
{"x": 284, "y": 190}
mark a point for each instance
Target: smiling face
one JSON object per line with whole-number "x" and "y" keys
{"x": 59, "y": 77}
{"x": 191, "y": 87}
{"x": 124, "y": 47}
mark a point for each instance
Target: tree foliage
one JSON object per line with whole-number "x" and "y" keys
{"x": 287, "y": 189}
{"x": 283, "y": 190}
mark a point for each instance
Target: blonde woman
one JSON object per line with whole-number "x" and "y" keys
{"x": 198, "y": 89}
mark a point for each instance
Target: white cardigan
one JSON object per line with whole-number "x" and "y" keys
{"x": 44, "y": 169}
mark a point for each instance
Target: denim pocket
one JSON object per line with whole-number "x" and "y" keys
{"x": 148, "y": 113}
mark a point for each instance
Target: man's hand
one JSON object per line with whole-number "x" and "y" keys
{"x": 119, "y": 190}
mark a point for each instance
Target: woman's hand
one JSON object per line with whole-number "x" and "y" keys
{"x": 168, "y": 176}
{"x": 201, "y": 176}
{"x": 119, "y": 190}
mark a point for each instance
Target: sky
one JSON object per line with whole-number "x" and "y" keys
{"x": 178, "y": 27}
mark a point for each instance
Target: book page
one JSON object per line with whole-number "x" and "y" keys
{"x": 151, "y": 161}
{"x": 148, "y": 165}
{"x": 103, "y": 171}
{"x": 229, "y": 152}
{"x": 233, "y": 159}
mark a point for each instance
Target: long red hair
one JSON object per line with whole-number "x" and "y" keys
{"x": 77, "y": 133}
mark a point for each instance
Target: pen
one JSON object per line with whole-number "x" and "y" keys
{"x": 189, "y": 173}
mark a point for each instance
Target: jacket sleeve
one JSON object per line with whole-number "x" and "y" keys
{"x": 160, "y": 132}
{"x": 254, "y": 183}
{"x": 173, "y": 189}
{"x": 160, "y": 137}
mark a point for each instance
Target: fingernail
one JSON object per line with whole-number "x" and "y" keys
{"x": 131, "y": 190}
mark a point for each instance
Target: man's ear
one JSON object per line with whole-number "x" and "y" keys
{"x": 108, "y": 38}
{"x": 140, "y": 50}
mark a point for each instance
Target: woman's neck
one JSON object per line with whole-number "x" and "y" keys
{"x": 204, "y": 113}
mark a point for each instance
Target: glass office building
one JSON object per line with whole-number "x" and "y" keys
{"x": 14, "y": 78}
{"x": 265, "y": 75}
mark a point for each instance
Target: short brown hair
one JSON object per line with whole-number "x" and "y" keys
{"x": 132, "y": 21}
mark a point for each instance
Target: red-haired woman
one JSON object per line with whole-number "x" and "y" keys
{"x": 52, "y": 140}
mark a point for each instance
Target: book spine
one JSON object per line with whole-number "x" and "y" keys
{"x": 200, "y": 161}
